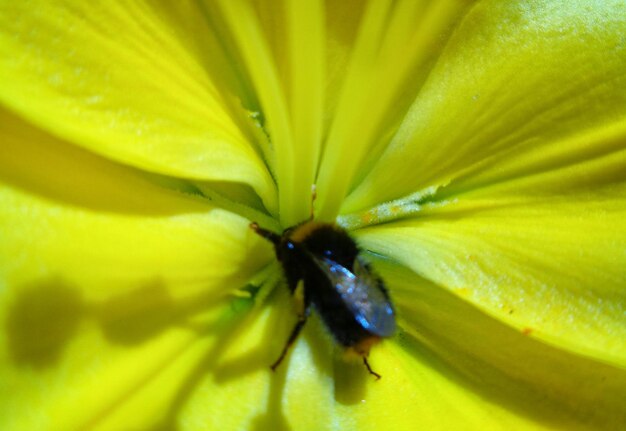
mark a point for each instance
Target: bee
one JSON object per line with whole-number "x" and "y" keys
{"x": 325, "y": 263}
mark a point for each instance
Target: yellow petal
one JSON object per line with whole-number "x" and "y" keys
{"x": 189, "y": 373}
{"x": 550, "y": 267}
{"x": 241, "y": 392}
{"x": 515, "y": 79}
{"x": 281, "y": 47}
{"x": 107, "y": 229}
{"x": 127, "y": 81}
{"x": 315, "y": 389}
{"x": 92, "y": 379}
{"x": 390, "y": 59}
{"x": 106, "y": 280}
{"x": 420, "y": 390}
{"x": 296, "y": 54}
{"x": 450, "y": 367}
{"x": 510, "y": 379}
{"x": 586, "y": 162}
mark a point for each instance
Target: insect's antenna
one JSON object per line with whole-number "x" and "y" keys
{"x": 267, "y": 234}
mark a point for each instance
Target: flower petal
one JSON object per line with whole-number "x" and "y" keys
{"x": 107, "y": 229}
{"x": 315, "y": 389}
{"x": 515, "y": 78}
{"x": 515, "y": 381}
{"x": 104, "y": 377}
{"x": 281, "y": 46}
{"x": 451, "y": 367}
{"x": 586, "y": 162}
{"x": 123, "y": 81}
{"x": 392, "y": 55}
{"x": 551, "y": 267}
{"x": 106, "y": 281}
{"x": 243, "y": 393}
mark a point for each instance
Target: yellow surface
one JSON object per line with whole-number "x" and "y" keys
{"x": 480, "y": 145}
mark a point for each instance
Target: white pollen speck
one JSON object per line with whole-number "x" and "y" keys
{"x": 55, "y": 79}
{"x": 93, "y": 100}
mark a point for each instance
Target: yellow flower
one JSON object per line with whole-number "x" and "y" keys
{"x": 477, "y": 150}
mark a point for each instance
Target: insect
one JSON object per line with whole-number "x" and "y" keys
{"x": 325, "y": 262}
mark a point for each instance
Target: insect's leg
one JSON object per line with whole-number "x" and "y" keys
{"x": 294, "y": 335}
{"x": 303, "y": 313}
{"x": 372, "y": 372}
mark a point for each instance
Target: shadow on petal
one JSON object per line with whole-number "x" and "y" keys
{"x": 350, "y": 382}
{"x": 41, "y": 321}
{"x": 138, "y": 315}
{"x": 274, "y": 418}
{"x": 267, "y": 345}
{"x": 249, "y": 344}
{"x": 34, "y": 160}
{"x": 45, "y": 315}
{"x": 252, "y": 355}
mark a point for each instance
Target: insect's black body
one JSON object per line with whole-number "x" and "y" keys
{"x": 351, "y": 300}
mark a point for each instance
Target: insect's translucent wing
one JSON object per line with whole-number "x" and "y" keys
{"x": 362, "y": 293}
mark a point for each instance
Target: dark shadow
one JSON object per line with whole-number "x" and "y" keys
{"x": 229, "y": 330}
{"x": 135, "y": 317}
{"x": 41, "y": 321}
{"x": 350, "y": 381}
{"x": 349, "y": 375}
{"x": 321, "y": 347}
{"x": 276, "y": 334}
{"x": 45, "y": 315}
{"x": 274, "y": 418}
